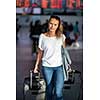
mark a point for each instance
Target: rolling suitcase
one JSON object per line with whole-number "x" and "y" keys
{"x": 34, "y": 83}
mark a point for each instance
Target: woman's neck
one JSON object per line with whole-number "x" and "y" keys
{"x": 51, "y": 34}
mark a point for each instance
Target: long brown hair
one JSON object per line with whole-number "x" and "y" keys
{"x": 59, "y": 30}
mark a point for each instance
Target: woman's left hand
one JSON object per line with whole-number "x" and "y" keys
{"x": 69, "y": 68}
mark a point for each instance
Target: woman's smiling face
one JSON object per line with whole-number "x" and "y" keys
{"x": 53, "y": 24}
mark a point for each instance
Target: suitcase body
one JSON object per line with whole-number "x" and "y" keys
{"x": 34, "y": 83}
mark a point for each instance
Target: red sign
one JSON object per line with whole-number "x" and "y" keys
{"x": 51, "y": 3}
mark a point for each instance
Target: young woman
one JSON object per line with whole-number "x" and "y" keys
{"x": 49, "y": 52}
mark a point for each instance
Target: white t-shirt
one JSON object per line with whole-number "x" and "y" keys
{"x": 51, "y": 47}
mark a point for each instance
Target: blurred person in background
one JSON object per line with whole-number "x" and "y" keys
{"x": 76, "y": 34}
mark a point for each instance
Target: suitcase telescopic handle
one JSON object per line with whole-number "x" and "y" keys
{"x": 31, "y": 73}
{"x": 31, "y": 79}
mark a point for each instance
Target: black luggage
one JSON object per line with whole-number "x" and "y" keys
{"x": 34, "y": 83}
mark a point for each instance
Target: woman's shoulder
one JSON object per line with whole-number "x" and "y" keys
{"x": 62, "y": 35}
{"x": 44, "y": 34}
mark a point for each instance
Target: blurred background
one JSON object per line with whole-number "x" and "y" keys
{"x": 31, "y": 20}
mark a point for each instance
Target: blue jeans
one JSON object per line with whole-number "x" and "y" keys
{"x": 54, "y": 79}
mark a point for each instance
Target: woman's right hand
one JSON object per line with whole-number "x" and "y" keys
{"x": 36, "y": 69}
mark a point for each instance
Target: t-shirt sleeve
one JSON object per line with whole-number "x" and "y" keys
{"x": 40, "y": 45}
{"x": 63, "y": 37}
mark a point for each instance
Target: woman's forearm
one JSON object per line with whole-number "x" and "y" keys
{"x": 39, "y": 57}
